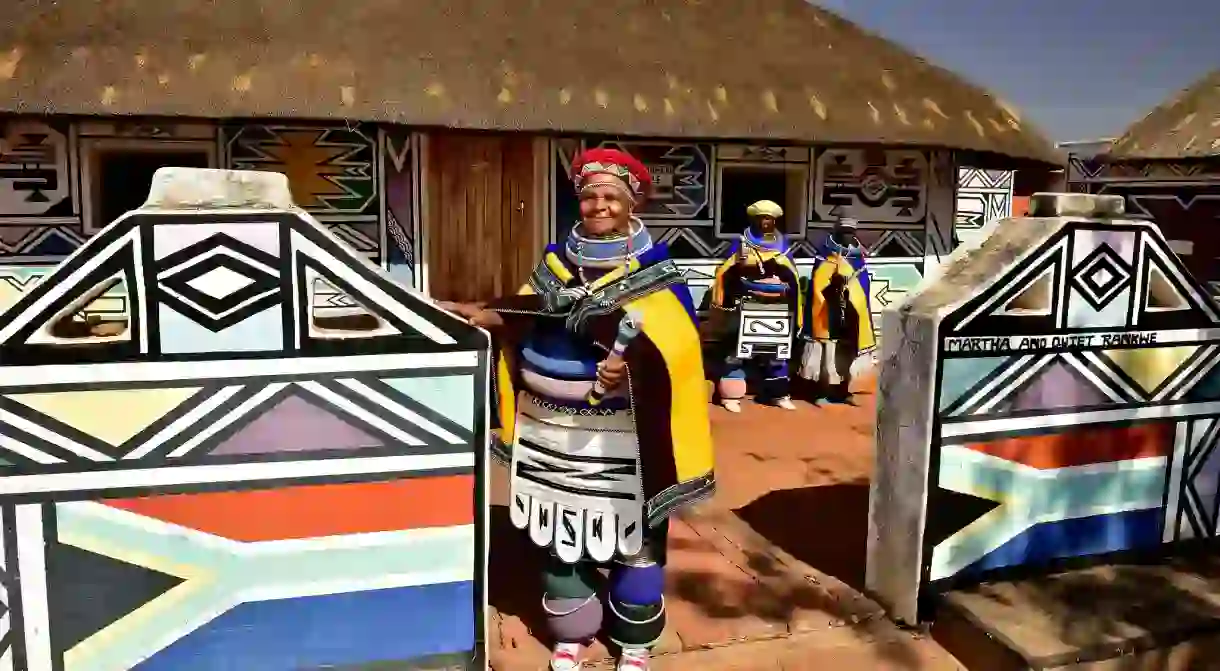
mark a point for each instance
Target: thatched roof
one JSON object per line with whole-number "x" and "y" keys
{"x": 1188, "y": 126}
{"x": 773, "y": 69}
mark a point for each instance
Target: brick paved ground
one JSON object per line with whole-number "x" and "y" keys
{"x": 766, "y": 576}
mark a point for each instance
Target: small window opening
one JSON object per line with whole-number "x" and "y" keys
{"x": 1034, "y": 299}
{"x": 336, "y": 315}
{"x": 1161, "y": 294}
{"x": 99, "y": 316}
{"x": 742, "y": 186}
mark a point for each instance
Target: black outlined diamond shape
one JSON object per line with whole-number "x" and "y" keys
{"x": 1101, "y": 275}
{"x": 180, "y": 272}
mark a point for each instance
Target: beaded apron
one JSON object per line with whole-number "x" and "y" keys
{"x": 575, "y": 472}
{"x": 576, "y": 482}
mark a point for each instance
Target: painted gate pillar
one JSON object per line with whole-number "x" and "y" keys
{"x": 225, "y": 477}
{"x": 1053, "y": 394}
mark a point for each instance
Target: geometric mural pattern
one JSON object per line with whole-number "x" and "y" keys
{"x": 401, "y": 180}
{"x": 16, "y": 280}
{"x": 332, "y": 172}
{"x": 335, "y": 174}
{"x": 1077, "y": 405}
{"x": 1182, "y": 197}
{"x": 1091, "y": 169}
{"x": 982, "y": 197}
{"x": 227, "y": 478}
{"x": 681, "y": 173}
{"x": 886, "y": 191}
{"x": 330, "y": 169}
{"x": 871, "y": 184}
{"x": 39, "y": 217}
{"x": 1194, "y": 481}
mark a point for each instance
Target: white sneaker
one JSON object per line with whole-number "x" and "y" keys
{"x": 785, "y": 403}
{"x": 732, "y": 405}
{"x": 633, "y": 659}
{"x": 566, "y": 657}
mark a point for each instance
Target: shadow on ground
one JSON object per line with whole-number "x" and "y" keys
{"x": 832, "y": 535}
{"x": 514, "y": 573}
{"x": 716, "y": 595}
{"x": 825, "y": 527}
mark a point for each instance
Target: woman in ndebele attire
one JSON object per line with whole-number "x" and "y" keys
{"x": 757, "y": 274}
{"x": 603, "y": 413}
{"x": 838, "y": 323}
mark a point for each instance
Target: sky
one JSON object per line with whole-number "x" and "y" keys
{"x": 1079, "y": 69}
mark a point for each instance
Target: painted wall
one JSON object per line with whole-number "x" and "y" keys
{"x": 910, "y": 207}
{"x": 1183, "y": 198}
{"x": 227, "y": 481}
{"x": 360, "y": 181}
{"x": 363, "y": 183}
{"x": 982, "y": 197}
{"x": 1067, "y": 407}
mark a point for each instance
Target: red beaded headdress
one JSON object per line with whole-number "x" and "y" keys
{"x": 616, "y": 163}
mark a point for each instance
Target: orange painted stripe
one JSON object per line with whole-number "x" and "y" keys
{"x": 310, "y": 511}
{"x": 1084, "y": 445}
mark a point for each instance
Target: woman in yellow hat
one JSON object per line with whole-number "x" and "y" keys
{"x": 756, "y": 299}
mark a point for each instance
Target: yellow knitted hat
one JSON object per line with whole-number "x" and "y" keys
{"x": 765, "y": 208}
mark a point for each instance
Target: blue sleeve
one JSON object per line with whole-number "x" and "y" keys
{"x": 683, "y": 293}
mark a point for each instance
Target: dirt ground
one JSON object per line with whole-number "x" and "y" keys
{"x": 764, "y": 576}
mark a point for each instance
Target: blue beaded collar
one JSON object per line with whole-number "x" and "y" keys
{"x": 611, "y": 252}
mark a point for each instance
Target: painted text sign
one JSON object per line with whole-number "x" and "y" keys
{"x": 1076, "y": 341}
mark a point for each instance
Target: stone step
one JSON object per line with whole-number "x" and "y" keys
{"x": 1162, "y": 616}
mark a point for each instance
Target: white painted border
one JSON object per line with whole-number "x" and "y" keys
{"x": 32, "y": 569}
{"x": 1175, "y": 411}
{"x": 189, "y": 372}
{"x": 222, "y": 474}
{"x": 486, "y": 512}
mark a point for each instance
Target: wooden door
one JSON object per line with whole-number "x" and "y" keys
{"x": 484, "y": 233}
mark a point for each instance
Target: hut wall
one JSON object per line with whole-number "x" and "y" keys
{"x": 911, "y": 204}
{"x": 1183, "y": 198}
{"x": 360, "y": 180}
{"x": 382, "y": 190}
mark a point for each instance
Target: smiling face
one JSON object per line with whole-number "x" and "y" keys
{"x": 605, "y": 207}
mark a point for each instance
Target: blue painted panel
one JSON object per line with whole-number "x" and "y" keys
{"x": 1078, "y": 537}
{"x": 260, "y": 332}
{"x": 960, "y": 375}
{"x": 396, "y": 624}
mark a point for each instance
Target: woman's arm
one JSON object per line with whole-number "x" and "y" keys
{"x": 474, "y": 313}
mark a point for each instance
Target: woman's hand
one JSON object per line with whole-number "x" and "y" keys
{"x": 610, "y": 372}
{"x": 486, "y": 319}
{"x": 474, "y": 313}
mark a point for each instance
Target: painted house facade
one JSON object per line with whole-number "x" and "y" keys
{"x": 457, "y": 200}
{"x": 1167, "y": 167}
